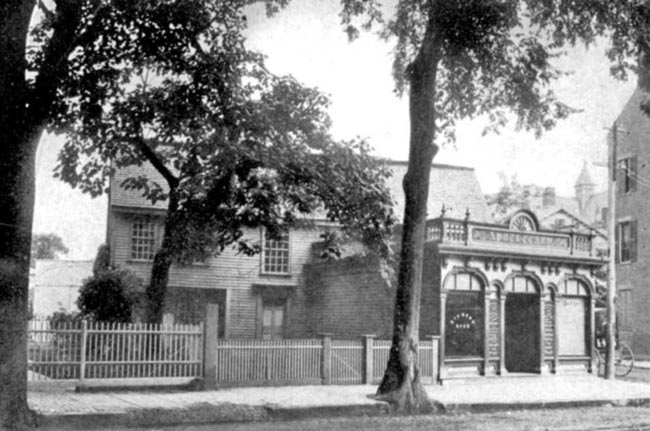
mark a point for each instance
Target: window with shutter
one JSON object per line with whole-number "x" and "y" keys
{"x": 626, "y": 243}
{"x": 626, "y": 175}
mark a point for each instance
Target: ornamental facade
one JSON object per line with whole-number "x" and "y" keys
{"x": 509, "y": 299}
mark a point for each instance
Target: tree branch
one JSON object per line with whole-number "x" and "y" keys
{"x": 156, "y": 162}
{"x": 46, "y": 11}
{"x": 65, "y": 38}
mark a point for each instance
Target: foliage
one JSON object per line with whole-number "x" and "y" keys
{"x": 464, "y": 59}
{"x": 102, "y": 260}
{"x": 110, "y": 296}
{"x": 237, "y": 145}
{"x": 63, "y": 317}
{"x": 47, "y": 246}
{"x": 511, "y": 196}
{"x": 172, "y": 85}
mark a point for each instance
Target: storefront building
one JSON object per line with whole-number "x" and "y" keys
{"x": 508, "y": 299}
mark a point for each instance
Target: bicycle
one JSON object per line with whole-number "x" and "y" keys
{"x": 623, "y": 359}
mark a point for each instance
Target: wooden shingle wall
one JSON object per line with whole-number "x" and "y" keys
{"x": 347, "y": 299}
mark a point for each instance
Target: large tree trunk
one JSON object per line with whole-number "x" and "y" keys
{"x": 17, "y": 157}
{"x": 162, "y": 262}
{"x": 401, "y": 385}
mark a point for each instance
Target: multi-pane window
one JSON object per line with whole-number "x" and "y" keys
{"x": 275, "y": 254}
{"x": 627, "y": 175}
{"x": 626, "y": 241}
{"x": 143, "y": 238}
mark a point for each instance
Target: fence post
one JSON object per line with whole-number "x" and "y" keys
{"x": 82, "y": 363}
{"x": 327, "y": 359}
{"x": 368, "y": 341}
{"x": 435, "y": 371}
{"x": 210, "y": 337}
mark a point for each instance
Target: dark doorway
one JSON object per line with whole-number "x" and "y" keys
{"x": 522, "y": 333}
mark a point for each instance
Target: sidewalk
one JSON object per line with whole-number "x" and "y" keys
{"x": 72, "y": 410}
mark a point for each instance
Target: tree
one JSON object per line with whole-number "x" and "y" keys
{"x": 47, "y": 246}
{"x": 78, "y": 55}
{"x": 461, "y": 59}
{"x": 236, "y": 146}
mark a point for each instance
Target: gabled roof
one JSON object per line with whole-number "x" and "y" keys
{"x": 120, "y": 197}
{"x": 455, "y": 187}
{"x": 578, "y": 222}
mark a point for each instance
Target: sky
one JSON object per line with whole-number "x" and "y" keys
{"x": 306, "y": 41}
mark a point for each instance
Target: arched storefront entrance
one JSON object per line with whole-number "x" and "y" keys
{"x": 522, "y": 325}
{"x": 465, "y": 316}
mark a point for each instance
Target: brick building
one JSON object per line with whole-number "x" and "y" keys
{"x": 633, "y": 225}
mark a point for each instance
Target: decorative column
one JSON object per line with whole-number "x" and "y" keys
{"x": 542, "y": 301}
{"x": 556, "y": 336}
{"x": 502, "y": 333}
{"x": 592, "y": 333}
{"x": 486, "y": 331}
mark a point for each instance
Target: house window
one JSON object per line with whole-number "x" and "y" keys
{"x": 143, "y": 236}
{"x": 626, "y": 241}
{"x": 273, "y": 319}
{"x": 275, "y": 255}
{"x": 627, "y": 175}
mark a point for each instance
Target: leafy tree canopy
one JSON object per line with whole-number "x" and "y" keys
{"x": 172, "y": 84}
{"x": 495, "y": 58}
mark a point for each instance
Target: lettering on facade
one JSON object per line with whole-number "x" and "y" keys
{"x": 512, "y": 237}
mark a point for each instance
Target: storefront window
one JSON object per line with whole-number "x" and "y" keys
{"x": 464, "y": 324}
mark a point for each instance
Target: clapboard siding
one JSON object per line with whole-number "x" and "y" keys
{"x": 231, "y": 271}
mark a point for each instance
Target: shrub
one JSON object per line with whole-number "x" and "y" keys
{"x": 109, "y": 296}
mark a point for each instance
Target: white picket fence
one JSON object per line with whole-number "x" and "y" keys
{"x": 312, "y": 361}
{"x": 84, "y": 350}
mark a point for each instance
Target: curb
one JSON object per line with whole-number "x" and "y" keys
{"x": 495, "y": 407}
{"x": 202, "y": 414}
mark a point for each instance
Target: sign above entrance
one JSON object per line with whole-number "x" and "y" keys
{"x": 523, "y": 238}
{"x": 499, "y": 237}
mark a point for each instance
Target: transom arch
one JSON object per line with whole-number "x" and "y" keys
{"x": 523, "y": 282}
{"x": 574, "y": 284}
{"x": 465, "y": 278}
